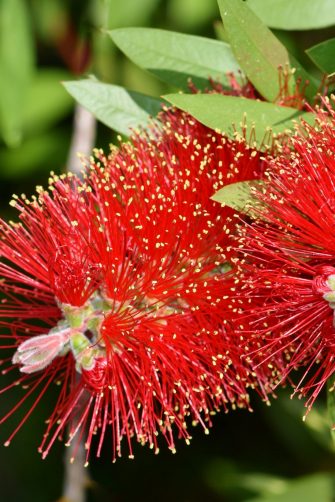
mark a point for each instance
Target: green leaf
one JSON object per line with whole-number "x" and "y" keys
{"x": 220, "y": 31}
{"x": 295, "y": 14}
{"x": 175, "y": 57}
{"x": 16, "y": 63}
{"x": 257, "y": 50}
{"x": 114, "y": 106}
{"x": 322, "y": 55}
{"x": 238, "y": 195}
{"x": 223, "y": 112}
{"x": 260, "y": 53}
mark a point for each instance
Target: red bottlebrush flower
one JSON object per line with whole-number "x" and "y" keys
{"x": 287, "y": 278}
{"x": 118, "y": 289}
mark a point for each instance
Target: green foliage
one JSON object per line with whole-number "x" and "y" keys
{"x": 191, "y": 14}
{"x": 16, "y": 67}
{"x": 176, "y": 57}
{"x": 294, "y": 14}
{"x": 307, "y": 489}
{"x": 114, "y": 106}
{"x": 322, "y": 56}
{"x": 110, "y": 14}
{"x": 47, "y": 101}
{"x": 331, "y": 406}
{"x": 224, "y": 477}
{"x": 222, "y": 112}
{"x": 46, "y": 16}
{"x": 43, "y": 149}
{"x": 42, "y": 144}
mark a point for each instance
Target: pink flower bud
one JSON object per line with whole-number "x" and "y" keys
{"x": 38, "y": 352}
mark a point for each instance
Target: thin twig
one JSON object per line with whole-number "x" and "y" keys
{"x": 84, "y": 129}
{"x": 76, "y": 475}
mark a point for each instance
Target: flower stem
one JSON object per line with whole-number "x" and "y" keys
{"x": 76, "y": 475}
{"x": 82, "y": 139}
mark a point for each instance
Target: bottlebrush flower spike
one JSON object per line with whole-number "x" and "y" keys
{"x": 287, "y": 265}
{"x": 118, "y": 290}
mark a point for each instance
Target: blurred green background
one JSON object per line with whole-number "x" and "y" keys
{"x": 269, "y": 455}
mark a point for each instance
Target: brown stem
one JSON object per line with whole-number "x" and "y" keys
{"x": 84, "y": 129}
{"x": 76, "y": 475}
